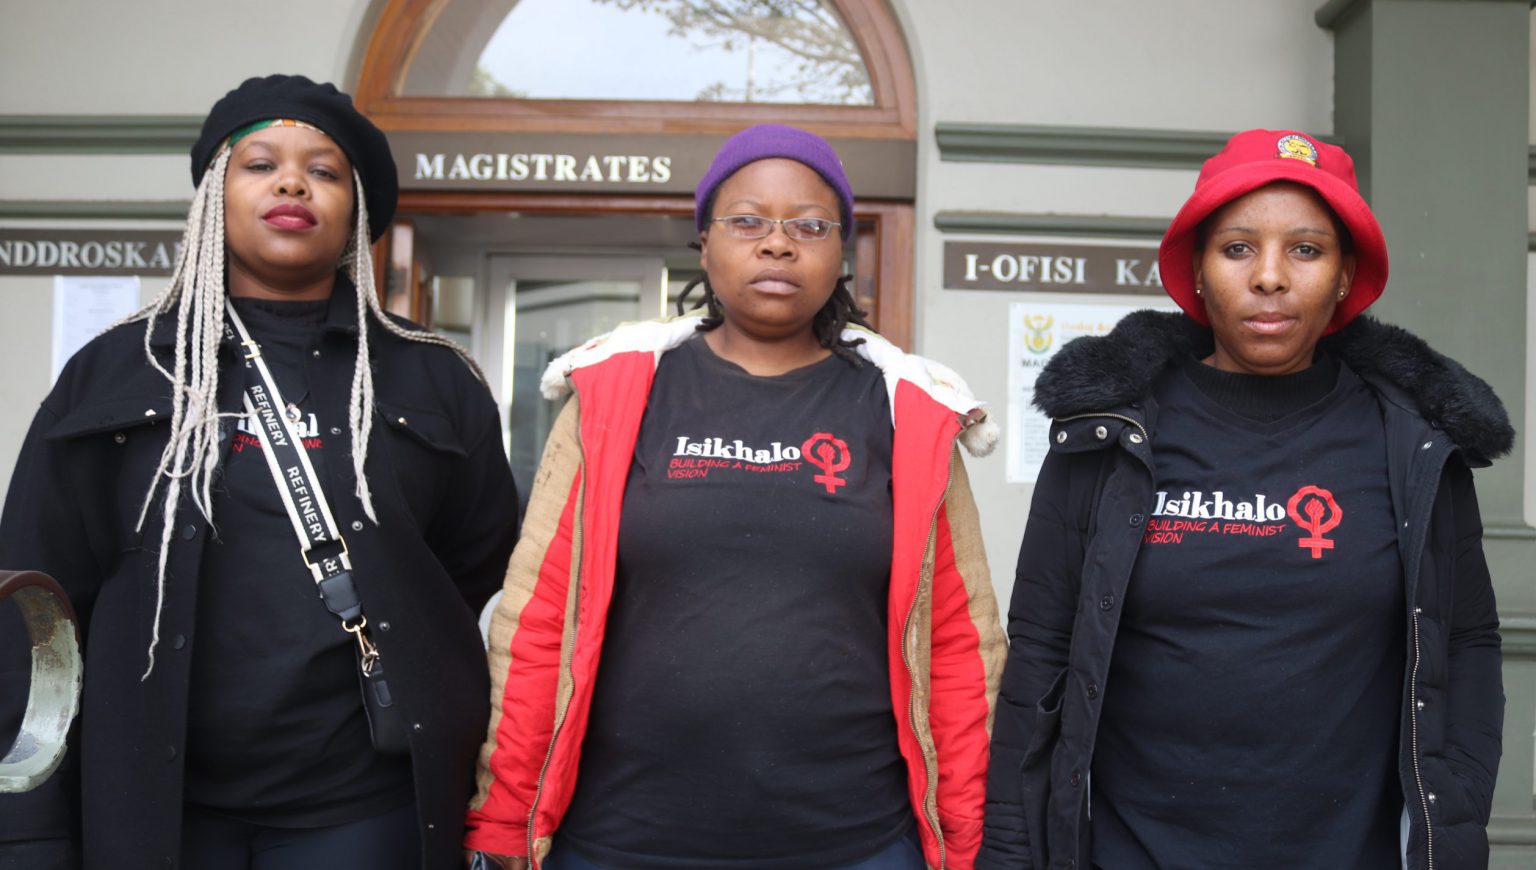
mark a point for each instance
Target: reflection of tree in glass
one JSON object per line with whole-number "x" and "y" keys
{"x": 483, "y": 83}
{"x": 827, "y": 67}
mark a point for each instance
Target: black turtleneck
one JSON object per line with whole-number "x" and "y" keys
{"x": 1250, "y": 715}
{"x": 1265, "y": 398}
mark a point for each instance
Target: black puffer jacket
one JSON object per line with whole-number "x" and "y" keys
{"x": 447, "y": 521}
{"x": 1085, "y": 526}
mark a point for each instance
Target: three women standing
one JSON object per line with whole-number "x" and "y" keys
{"x": 1252, "y": 625}
{"x": 260, "y": 433}
{"x": 1257, "y": 526}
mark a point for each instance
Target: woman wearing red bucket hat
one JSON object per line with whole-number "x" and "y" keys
{"x": 1252, "y": 624}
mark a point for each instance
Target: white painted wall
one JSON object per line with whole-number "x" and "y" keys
{"x": 27, "y": 303}
{"x": 1175, "y": 64}
{"x": 95, "y": 177}
{"x": 164, "y": 57}
{"x": 26, "y": 356}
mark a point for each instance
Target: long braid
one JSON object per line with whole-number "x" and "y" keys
{"x": 196, "y": 292}
{"x": 360, "y": 268}
{"x": 209, "y": 335}
{"x": 186, "y": 264}
{"x": 358, "y": 260}
{"x": 834, "y": 316}
{"x": 360, "y": 403}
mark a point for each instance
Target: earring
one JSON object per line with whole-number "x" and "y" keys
{"x": 1342, "y": 294}
{"x": 1199, "y": 292}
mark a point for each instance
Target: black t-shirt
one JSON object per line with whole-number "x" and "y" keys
{"x": 742, "y": 713}
{"x": 276, "y": 732}
{"x": 1251, "y": 710}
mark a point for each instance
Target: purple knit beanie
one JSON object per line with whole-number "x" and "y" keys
{"x": 775, "y": 140}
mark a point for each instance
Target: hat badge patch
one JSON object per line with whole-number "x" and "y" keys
{"x": 1295, "y": 147}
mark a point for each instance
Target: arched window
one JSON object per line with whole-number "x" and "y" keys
{"x": 838, "y": 66}
{"x": 750, "y": 51}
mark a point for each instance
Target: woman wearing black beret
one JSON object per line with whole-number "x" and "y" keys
{"x": 1252, "y": 625}
{"x": 277, "y": 511}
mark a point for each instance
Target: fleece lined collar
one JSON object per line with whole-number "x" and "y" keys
{"x": 940, "y": 382}
{"x": 1098, "y": 373}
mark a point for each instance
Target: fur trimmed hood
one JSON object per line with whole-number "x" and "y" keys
{"x": 1100, "y": 373}
{"x": 979, "y": 436}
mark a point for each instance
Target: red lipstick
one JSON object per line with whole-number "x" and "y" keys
{"x": 290, "y": 216}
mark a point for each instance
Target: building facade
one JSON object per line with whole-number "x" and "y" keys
{"x": 1015, "y": 162}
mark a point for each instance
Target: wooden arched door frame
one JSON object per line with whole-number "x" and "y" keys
{"x": 885, "y": 233}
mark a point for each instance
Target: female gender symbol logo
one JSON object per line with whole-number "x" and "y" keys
{"x": 1321, "y": 501}
{"x": 829, "y": 454}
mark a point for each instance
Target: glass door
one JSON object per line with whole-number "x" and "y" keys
{"x": 539, "y": 307}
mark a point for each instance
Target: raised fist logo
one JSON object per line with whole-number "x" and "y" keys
{"x": 1322, "y": 516}
{"x": 830, "y": 454}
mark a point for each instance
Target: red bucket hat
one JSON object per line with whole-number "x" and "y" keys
{"x": 1251, "y": 160}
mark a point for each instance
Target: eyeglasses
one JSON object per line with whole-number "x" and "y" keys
{"x": 750, "y": 226}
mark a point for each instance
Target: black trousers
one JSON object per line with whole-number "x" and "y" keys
{"x": 387, "y": 842}
{"x": 904, "y": 854}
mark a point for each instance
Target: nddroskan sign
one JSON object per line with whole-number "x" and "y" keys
{"x": 88, "y": 252}
{"x": 627, "y": 164}
{"x": 1054, "y": 268}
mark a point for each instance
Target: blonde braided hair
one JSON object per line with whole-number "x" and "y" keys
{"x": 196, "y": 295}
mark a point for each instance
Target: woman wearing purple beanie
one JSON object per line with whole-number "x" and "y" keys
{"x": 803, "y": 678}
{"x": 1252, "y": 625}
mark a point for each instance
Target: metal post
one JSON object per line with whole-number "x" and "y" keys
{"x": 54, "y": 697}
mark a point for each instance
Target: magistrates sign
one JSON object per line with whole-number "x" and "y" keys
{"x": 656, "y": 163}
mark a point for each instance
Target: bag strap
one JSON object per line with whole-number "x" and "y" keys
{"x": 321, "y": 545}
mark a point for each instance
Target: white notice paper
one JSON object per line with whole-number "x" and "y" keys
{"x": 83, "y": 307}
{"x": 1036, "y": 330}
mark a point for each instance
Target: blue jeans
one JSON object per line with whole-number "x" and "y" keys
{"x": 387, "y": 842}
{"x": 904, "y": 854}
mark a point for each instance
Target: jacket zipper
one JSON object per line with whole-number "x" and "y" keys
{"x": 931, "y": 793}
{"x": 1413, "y": 725}
{"x": 568, "y": 646}
{"x": 1413, "y": 720}
{"x": 1145, "y": 437}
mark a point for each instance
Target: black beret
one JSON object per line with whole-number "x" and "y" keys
{"x": 296, "y": 97}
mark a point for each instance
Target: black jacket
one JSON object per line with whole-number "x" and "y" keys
{"x": 447, "y": 513}
{"x": 1092, "y": 499}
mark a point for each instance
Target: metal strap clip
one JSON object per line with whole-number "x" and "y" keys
{"x": 370, "y": 653}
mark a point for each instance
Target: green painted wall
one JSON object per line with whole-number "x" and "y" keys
{"x": 1432, "y": 99}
